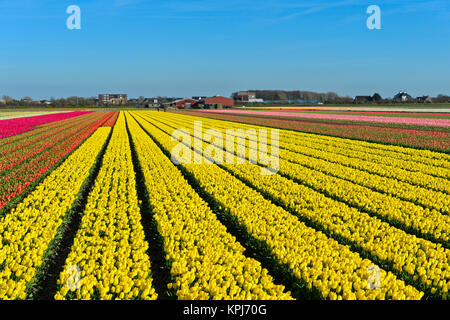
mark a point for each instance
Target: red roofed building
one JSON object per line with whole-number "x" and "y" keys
{"x": 225, "y": 102}
{"x": 185, "y": 103}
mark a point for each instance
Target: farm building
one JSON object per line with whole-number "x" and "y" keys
{"x": 402, "y": 96}
{"x": 424, "y": 99}
{"x": 244, "y": 96}
{"x": 183, "y": 103}
{"x": 213, "y": 103}
{"x": 218, "y": 100}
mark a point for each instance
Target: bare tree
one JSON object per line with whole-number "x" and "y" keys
{"x": 377, "y": 98}
{"x": 7, "y": 98}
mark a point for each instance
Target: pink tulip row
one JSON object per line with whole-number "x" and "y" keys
{"x": 346, "y": 117}
{"x": 364, "y": 111}
{"x": 10, "y": 127}
{"x": 382, "y": 112}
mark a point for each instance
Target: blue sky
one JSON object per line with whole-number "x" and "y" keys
{"x": 208, "y": 47}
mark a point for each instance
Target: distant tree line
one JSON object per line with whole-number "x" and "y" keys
{"x": 441, "y": 98}
{"x": 72, "y": 101}
{"x": 61, "y": 102}
{"x": 298, "y": 95}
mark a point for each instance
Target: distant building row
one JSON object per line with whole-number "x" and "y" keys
{"x": 246, "y": 96}
{"x": 240, "y": 97}
{"x": 112, "y": 99}
{"x": 217, "y": 102}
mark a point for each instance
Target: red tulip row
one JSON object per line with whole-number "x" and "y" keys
{"x": 112, "y": 120}
{"x": 36, "y": 132}
{"x": 30, "y": 147}
{"x": 20, "y": 141}
{"x": 17, "y": 179}
{"x": 11, "y": 127}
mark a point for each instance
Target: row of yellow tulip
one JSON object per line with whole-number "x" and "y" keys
{"x": 393, "y": 171}
{"x": 207, "y": 262}
{"x": 434, "y": 200}
{"x": 423, "y": 260}
{"x": 425, "y": 157}
{"x": 368, "y": 150}
{"x": 418, "y": 257}
{"x": 342, "y": 167}
{"x": 339, "y": 153}
{"x": 421, "y": 220}
{"x": 434, "y": 167}
{"x": 28, "y": 229}
{"x": 331, "y": 268}
{"x": 409, "y": 158}
{"x": 108, "y": 259}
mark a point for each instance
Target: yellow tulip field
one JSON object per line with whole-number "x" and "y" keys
{"x": 148, "y": 205}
